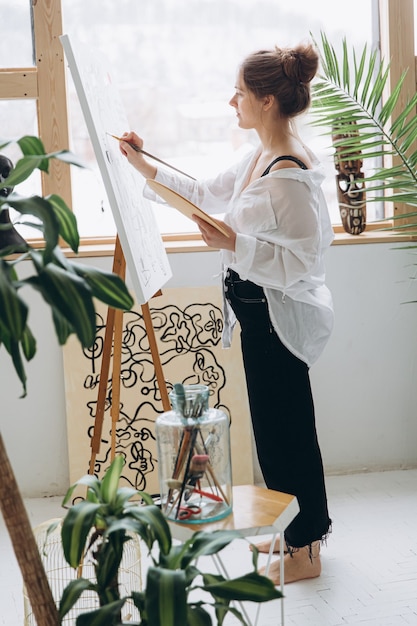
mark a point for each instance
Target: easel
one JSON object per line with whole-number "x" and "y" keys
{"x": 113, "y": 337}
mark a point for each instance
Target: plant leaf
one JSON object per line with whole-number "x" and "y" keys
{"x": 124, "y": 494}
{"x": 391, "y": 102}
{"x": 31, "y": 145}
{"x": 198, "y": 616}
{"x": 22, "y": 170}
{"x": 14, "y": 310}
{"x": 90, "y": 481}
{"x": 157, "y": 528}
{"x": 69, "y": 294}
{"x": 75, "y": 529}
{"x": 204, "y": 543}
{"x": 28, "y": 343}
{"x": 128, "y": 524}
{"x": 33, "y": 149}
{"x": 252, "y": 587}
{"x": 66, "y": 220}
{"x": 104, "y": 616}
{"x": 109, "y": 558}
{"x": 106, "y": 286}
{"x": 166, "y": 598}
{"x": 138, "y": 598}
{"x": 72, "y": 593}
{"x": 63, "y": 329}
{"x": 110, "y": 481}
{"x": 44, "y": 211}
{"x": 338, "y": 101}
{"x": 67, "y": 157}
{"x": 12, "y": 347}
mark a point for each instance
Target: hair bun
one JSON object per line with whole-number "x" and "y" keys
{"x": 300, "y": 63}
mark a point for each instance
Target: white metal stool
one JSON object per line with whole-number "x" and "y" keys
{"x": 256, "y": 511}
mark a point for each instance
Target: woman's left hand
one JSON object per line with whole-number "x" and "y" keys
{"x": 213, "y": 237}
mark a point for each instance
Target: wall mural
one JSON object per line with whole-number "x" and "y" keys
{"x": 188, "y": 325}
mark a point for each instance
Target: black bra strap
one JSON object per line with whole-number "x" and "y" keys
{"x": 285, "y": 158}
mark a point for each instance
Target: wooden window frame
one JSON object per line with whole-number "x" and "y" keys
{"x": 396, "y": 21}
{"x": 45, "y": 83}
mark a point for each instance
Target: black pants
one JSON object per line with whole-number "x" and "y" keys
{"x": 282, "y": 412}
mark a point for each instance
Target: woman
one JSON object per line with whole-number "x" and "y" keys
{"x": 278, "y": 230}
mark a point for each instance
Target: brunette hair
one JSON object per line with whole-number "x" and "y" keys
{"x": 285, "y": 73}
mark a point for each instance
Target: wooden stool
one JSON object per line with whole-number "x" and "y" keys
{"x": 256, "y": 511}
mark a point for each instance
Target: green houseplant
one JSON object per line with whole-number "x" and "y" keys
{"x": 67, "y": 287}
{"x": 350, "y": 91}
{"x": 99, "y": 526}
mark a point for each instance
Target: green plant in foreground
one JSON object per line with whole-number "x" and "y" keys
{"x": 349, "y": 91}
{"x": 67, "y": 287}
{"x": 98, "y": 527}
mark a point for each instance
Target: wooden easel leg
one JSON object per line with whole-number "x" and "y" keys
{"x": 117, "y": 366}
{"x": 155, "y": 357}
{"x": 113, "y": 339}
{"x": 117, "y": 357}
{"x": 119, "y": 268}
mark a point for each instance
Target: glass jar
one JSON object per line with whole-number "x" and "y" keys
{"x": 193, "y": 443}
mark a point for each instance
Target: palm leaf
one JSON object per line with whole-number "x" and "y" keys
{"x": 349, "y": 94}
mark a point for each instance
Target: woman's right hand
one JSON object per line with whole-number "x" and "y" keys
{"x": 135, "y": 157}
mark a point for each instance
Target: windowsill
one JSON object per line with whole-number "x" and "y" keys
{"x": 372, "y": 236}
{"x": 194, "y": 243}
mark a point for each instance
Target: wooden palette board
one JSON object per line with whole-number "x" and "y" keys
{"x": 183, "y": 205}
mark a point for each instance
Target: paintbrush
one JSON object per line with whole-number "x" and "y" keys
{"x": 137, "y": 149}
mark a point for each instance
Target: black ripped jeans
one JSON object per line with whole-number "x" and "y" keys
{"x": 282, "y": 413}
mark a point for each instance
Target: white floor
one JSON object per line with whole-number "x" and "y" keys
{"x": 369, "y": 572}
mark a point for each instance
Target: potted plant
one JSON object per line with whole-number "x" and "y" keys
{"x": 68, "y": 287}
{"x": 98, "y": 527}
{"x": 348, "y": 98}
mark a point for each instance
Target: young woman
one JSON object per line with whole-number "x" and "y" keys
{"x": 274, "y": 281}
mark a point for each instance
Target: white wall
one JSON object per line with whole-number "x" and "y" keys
{"x": 365, "y": 383}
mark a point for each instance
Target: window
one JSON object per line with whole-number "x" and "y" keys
{"x": 175, "y": 65}
{"x": 21, "y": 119}
{"x": 32, "y": 94}
{"x": 16, "y": 48}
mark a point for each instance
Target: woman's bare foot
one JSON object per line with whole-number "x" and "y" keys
{"x": 298, "y": 566}
{"x": 264, "y": 546}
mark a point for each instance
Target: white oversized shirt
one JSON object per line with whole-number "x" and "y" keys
{"x": 283, "y": 230}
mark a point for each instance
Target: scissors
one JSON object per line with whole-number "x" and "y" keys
{"x": 185, "y": 512}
